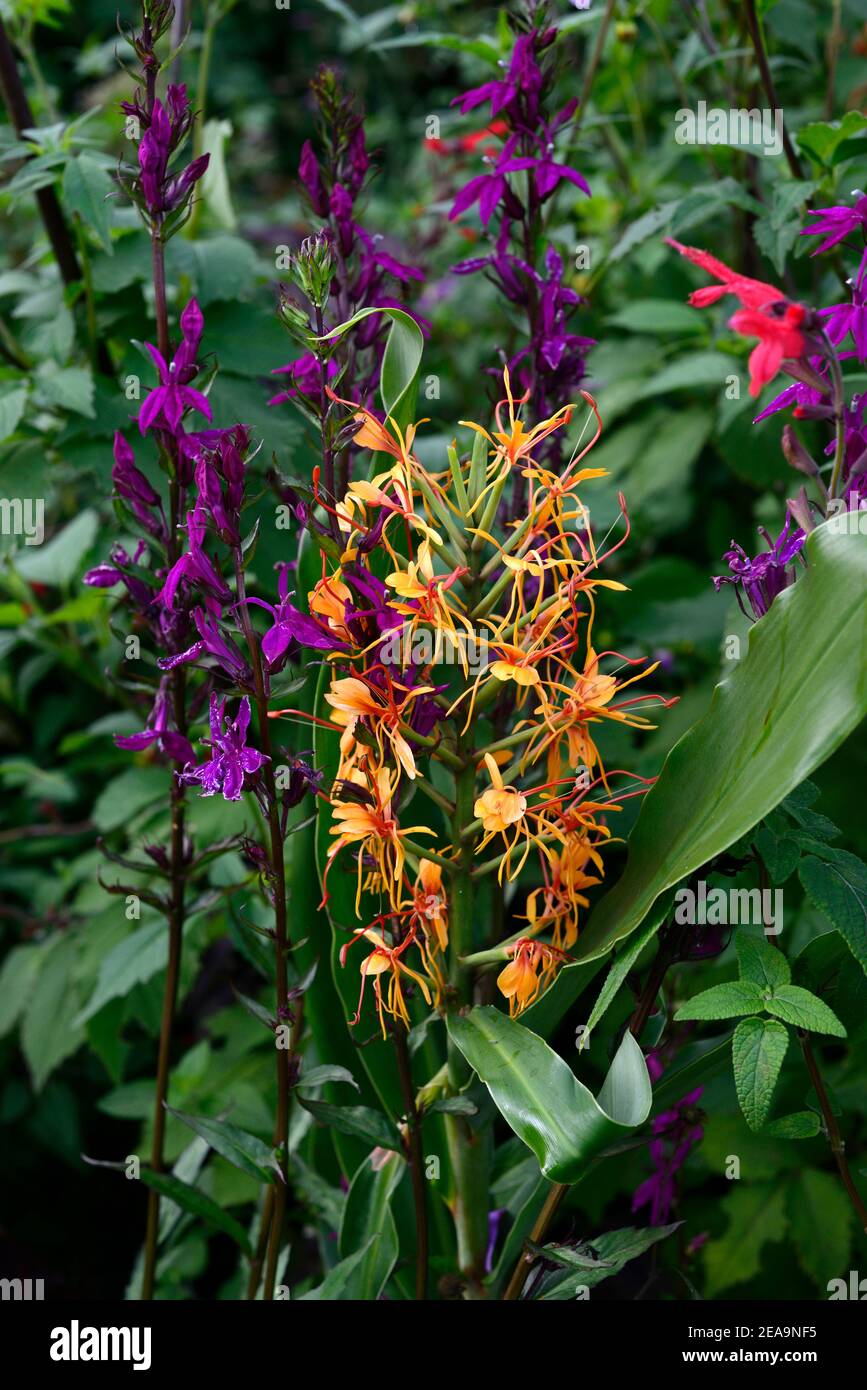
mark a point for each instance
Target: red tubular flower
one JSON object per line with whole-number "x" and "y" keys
{"x": 766, "y": 314}
{"x": 779, "y": 338}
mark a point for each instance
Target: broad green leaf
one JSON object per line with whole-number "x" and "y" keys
{"x": 368, "y": 1214}
{"x": 821, "y": 1222}
{"x": 128, "y": 793}
{"x": 12, "y": 405}
{"x": 758, "y": 1048}
{"x": 658, "y": 316}
{"x": 543, "y": 1101}
{"x": 198, "y": 1204}
{"x": 60, "y": 561}
{"x": 70, "y": 388}
{"x": 17, "y": 977}
{"x": 822, "y": 139}
{"x": 802, "y": 1009}
{"x": 357, "y": 1120}
{"x": 132, "y": 961}
{"x": 87, "y": 186}
{"x": 838, "y": 888}
{"x": 756, "y": 1214}
{"x": 804, "y": 1124}
{"x": 50, "y": 1031}
{"x": 402, "y": 355}
{"x": 245, "y": 1151}
{"x": 731, "y": 1000}
{"x": 760, "y": 962}
{"x": 794, "y": 697}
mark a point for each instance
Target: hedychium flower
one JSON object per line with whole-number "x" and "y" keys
{"x": 464, "y": 793}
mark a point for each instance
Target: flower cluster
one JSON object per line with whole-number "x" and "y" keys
{"x": 809, "y": 345}
{"x": 506, "y": 751}
{"x": 356, "y": 270}
{"x": 523, "y": 174}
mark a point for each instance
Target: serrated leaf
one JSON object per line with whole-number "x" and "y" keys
{"x": 803, "y": 1124}
{"x": 821, "y": 1221}
{"x": 86, "y": 187}
{"x": 731, "y": 1000}
{"x": 760, "y": 962}
{"x": 758, "y": 1049}
{"x": 804, "y": 1010}
{"x": 837, "y": 886}
{"x": 756, "y": 1214}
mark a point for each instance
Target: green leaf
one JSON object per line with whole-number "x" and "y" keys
{"x": 320, "y": 1076}
{"x": 731, "y": 1000}
{"x": 334, "y": 1285}
{"x": 802, "y": 1009}
{"x": 50, "y": 1032}
{"x": 368, "y": 1224}
{"x": 837, "y": 886}
{"x": 86, "y": 187}
{"x": 822, "y": 139}
{"x": 402, "y": 355}
{"x": 658, "y": 316}
{"x": 545, "y": 1104}
{"x": 623, "y": 963}
{"x": 134, "y": 960}
{"x": 127, "y": 794}
{"x": 60, "y": 561}
{"x": 756, "y": 1214}
{"x": 821, "y": 1221}
{"x": 786, "y": 706}
{"x": 758, "y": 1049}
{"x": 17, "y": 978}
{"x": 804, "y": 1124}
{"x": 760, "y": 962}
{"x": 245, "y": 1151}
{"x": 357, "y": 1120}
{"x": 614, "y": 1250}
{"x": 70, "y": 388}
{"x": 195, "y": 1202}
{"x": 12, "y": 405}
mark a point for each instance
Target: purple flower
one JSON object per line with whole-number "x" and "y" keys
{"x": 231, "y": 760}
{"x": 836, "y": 223}
{"x": 157, "y": 730}
{"x": 675, "y": 1131}
{"x": 194, "y": 565}
{"x": 212, "y": 642}
{"x": 165, "y": 405}
{"x": 164, "y": 132}
{"x": 311, "y": 178}
{"x": 291, "y": 625}
{"x": 762, "y": 578}
{"x": 306, "y": 377}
